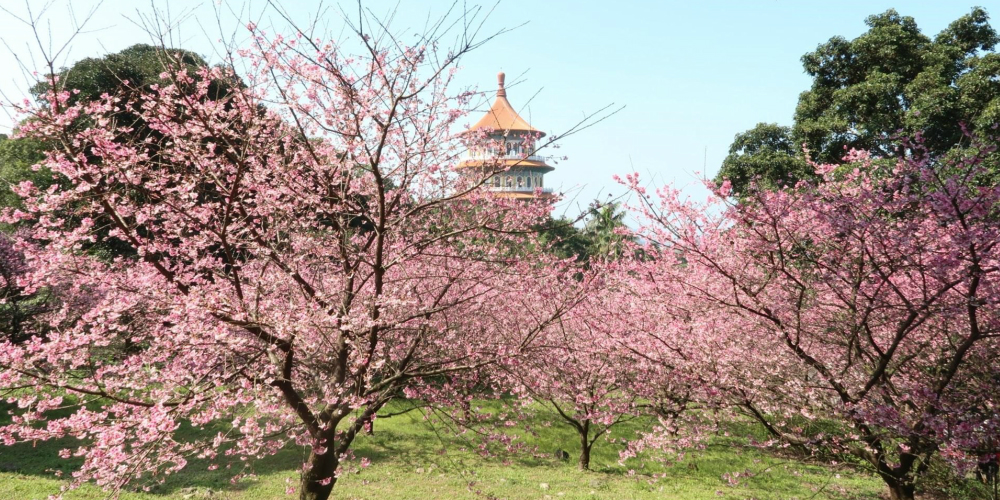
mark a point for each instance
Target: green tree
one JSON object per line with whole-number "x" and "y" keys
{"x": 766, "y": 154}
{"x": 602, "y": 231}
{"x": 128, "y": 72}
{"x": 564, "y": 239}
{"x": 892, "y": 81}
{"x": 123, "y": 74}
{"x": 127, "y": 75}
{"x": 17, "y": 308}
{"x": 598, "y": 238}
{"x": 17, "y": 156}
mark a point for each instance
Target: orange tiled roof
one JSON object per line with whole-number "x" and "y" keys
{"x": 502, "y": 116}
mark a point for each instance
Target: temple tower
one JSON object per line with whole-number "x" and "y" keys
{"x": 509, "y": 156}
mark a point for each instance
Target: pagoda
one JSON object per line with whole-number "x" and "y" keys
{"x": 508, "y": 160}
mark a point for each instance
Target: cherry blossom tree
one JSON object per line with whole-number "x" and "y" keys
{"x": 303, "y": 254}
{"x": 858, "y": 316}
{"x": 579, "y": 373}
{"x": 664, "y": 346}
{"x": 614, "y": 358}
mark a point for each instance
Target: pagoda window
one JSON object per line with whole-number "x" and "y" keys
{"x": 520, "y": 181}
{"x": 529, "y": 181}
{"x": 510, "y": 181}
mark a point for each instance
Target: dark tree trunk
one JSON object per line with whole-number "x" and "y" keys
{"x": 900, "y": 491}
{"x": 585, "y": 457}
{"x": 585, "y": 445}
{"x": 322, "y": 467}
{"x": 900, "y": 479}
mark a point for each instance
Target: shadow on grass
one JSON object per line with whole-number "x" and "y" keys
{"x": 413, "y": 441}
{"x": 41, "y": 459}
{"x": 408, "y": 442}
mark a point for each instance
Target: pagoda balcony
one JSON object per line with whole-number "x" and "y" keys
{"x": 511, "y": 189}
{"x": 514, "y": 156}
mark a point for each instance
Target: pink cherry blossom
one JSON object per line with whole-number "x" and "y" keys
{"x": 868, "y": 301}
{"x": 301, "y": 252}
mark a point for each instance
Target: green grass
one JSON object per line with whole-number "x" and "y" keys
{"x": 411, "y": 459}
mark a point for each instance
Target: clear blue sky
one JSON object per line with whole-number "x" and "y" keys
{"x": 691, "y": 74}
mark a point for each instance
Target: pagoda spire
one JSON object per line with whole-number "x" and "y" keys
{"x": 501, "y": 92}
{"x": 502, "y": 116}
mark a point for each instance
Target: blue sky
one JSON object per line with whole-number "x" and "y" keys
{"x": 691, "y": 74}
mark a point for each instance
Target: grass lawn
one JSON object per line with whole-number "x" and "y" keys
{"x": 411, "y": 459}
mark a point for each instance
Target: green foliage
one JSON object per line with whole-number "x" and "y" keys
{"x": 16, "y": 159}
{"x": 127, "y": 75}
{"x": 766, "y": 154}
{"x": 18, "y": 309}
{"x": 891, "y": 81}
{"x": 124, "y": 73}
{"x": 597, "y": 239}
{"x": 601, "y": 229}
{"x": 564, "y": 239}
{"x": 941, "y": 481}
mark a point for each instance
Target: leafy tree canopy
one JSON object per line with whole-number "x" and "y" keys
{"x": 892, "y": 81}
{"x": 766, "y": 153}
{"x": 600, "y": 236}
{"x": 603, "y": 230}
{"x": 122, "y": 73}
{"x": 16, "y": 159}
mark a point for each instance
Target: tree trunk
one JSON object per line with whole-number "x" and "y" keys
{"x": 585, "y": 457}
{"x": 585, "y": 445}
{"x": 321, "y": 467}
{"x": 900, "y": 491}
{"x": 900, "y": 479}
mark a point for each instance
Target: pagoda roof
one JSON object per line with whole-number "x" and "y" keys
{"x": 502, "y": 115}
